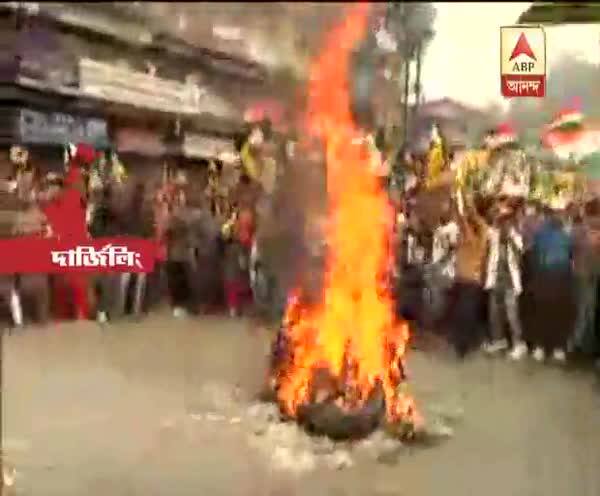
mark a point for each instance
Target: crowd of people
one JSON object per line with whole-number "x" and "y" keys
{"x": 487, "y": 266}
{"x": 204, "y": 233}
{"x": 496, "y": 268}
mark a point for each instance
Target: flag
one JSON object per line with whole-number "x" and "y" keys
{"x": 577, "y": 143}
{"x": 569, "y": 118}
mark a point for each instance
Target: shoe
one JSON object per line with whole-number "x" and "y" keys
{"x": 102, "y": 318}
{"x": 559, "y": 356}
{"x": 233, "y": 312}
{"x": 518, "y": 352}
{"x": 494, "y": 347}
{"x": 539, "y": 355}
{"x": 179, "y": 313}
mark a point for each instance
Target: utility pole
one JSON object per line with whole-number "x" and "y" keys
{"x": 417, "y": 89}
{"x": 406, "y": 52}
{"x": 406, "y": 64}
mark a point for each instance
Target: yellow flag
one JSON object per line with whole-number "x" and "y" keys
{"x": 435, "y": 163}
{"x": 251, "y": 165}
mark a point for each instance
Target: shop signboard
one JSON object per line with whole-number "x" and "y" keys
{"x": 56, "y": 128}
{"x": 123, "y": 85}
{"x": 204, "y": 146}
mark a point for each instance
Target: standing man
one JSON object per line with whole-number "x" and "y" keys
{"x": 586, "y": 277}
{"x": 468, "y": 318}
{"x": 443, "y": 262}
{"x": 180, "y": 256}
{"x": 103, "y": 223}
{"x": 66, "y": 214}
{"x": 238, "y": 233}
{"x": 552, "y": 287}
{"x": 413, "y": 257}
{"x": 503, "y": 281}
{"x": 134, "y": 222}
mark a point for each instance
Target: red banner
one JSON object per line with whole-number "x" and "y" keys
{"x": 29, "y": 255}
{"x": 530, "y": 85}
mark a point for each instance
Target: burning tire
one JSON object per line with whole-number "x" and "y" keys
{"x": 328, "y": 409}
{"x": 329, "y": 419}
{"x": 323, "y": 416}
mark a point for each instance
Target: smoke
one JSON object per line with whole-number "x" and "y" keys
{"x": 290, "y": 236}
{"x": 571, "y": 82}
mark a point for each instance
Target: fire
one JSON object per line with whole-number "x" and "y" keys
{"x": 353, "y": 331}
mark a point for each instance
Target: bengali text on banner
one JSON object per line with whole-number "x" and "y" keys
{"x": 27, "y": 255}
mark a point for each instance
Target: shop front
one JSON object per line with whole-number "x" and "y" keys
{"x": 198, "y": 150}
{"x": 144, "y": 152}
{"x": 44, "y": 134}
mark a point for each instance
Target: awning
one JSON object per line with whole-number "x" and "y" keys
{"x": 560, "y": 13}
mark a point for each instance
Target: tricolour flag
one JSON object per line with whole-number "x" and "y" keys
{"x": 577, "y": 141}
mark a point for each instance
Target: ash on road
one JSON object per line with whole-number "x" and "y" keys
{"x": 166, "y": 407}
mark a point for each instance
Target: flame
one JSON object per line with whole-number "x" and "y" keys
{"x": 352, "y": 331}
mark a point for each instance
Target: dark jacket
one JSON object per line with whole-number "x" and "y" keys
{"x": 104, "y": 221}
{"x": 178, "y": 239}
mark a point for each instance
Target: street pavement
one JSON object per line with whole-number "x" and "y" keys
{"x": 165, "y": 407}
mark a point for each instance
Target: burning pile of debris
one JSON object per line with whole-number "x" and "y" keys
{"x": 339, "y": 368}
{"x": 340, "y": 406}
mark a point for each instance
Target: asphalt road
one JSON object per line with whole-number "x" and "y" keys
{"x": 154, "y": 408}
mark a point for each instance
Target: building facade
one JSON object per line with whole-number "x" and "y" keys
{"x": 89, "y": 73}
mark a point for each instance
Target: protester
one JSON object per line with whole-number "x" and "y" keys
{"x": 65, "y": 210}
{"x": 467, "y": 300}
{"x": 444, "y": 268}
{"x": 552, "y": 288}
{"x": 161, "y": 206}
{"x": 531, "y": 221}
{"x": 104, "y": 223}
{"x": 413, "y": 257}
{"x": 135, "y": 223}
{"x": 246, "y": 193}
{"x": 30, "y": 221}
{"x": 206, "y": 279}
{"x": 503, "y": 281}
{"x": 179, "y": 256}
{"x": 586, "y": 276}
{"x": 238, "y": 234}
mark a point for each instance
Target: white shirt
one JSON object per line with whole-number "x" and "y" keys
{"x": 445, "y": 239}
